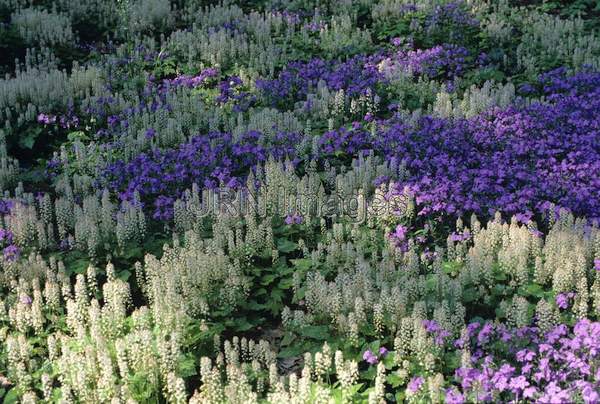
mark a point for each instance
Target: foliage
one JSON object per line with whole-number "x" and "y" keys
{"x": 299, "y": 201}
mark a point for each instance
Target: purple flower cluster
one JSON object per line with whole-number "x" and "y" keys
{"x": 439, "y": 334}
{"x": 349, "y": 140}
{"x": 563, "y": 300}
{"x": 398, "y": 237}
{"x": 46, "y": 119}
{"x": 450, "y": 21}
{"x": 457, "y": 237}
{"x": 514, "y": 160}
{"x": 11, "y": 252}
{"x": 5, "y": 206}
{"x": 559, "y": 366}
{"x": 230, "y": 89}
{"x": 443, "y": 61}
{"x": 208, "y": 160}
{"x": 451, "y": 13}
{"x": 415, "y": 384}
{"x": 150, "y": 99}
{"x": 69, "y": 121}
{"x": 26, "y": 299}
{"x": 371, "y": 358}
{"x": 192, "y": 81}
{"x": 294, "y": 219}
{"x": 355, "y": 76}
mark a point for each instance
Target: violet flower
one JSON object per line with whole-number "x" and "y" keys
{"x": 369, "y": 357}
{"x": 415, "y": 384}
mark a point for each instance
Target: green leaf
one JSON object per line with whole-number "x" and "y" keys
{"x": 254, "y": 305}
{"x": 276, "y": 295}
{"x": 291, "y": 351}
{"x": 133, "y": 252}
{"x": 451, "y": 268}
{"x": 394, "y": 380}
{"x": 320, "y": 332}
{"x": 286, "y": 284}
{"x": 302, "y": 264}
{"x": 470, "y": 295}
{"x": 287, "y": 339}
{"x": 124, "y": 275}
{"x": 286, "y": 246}
{"x": 534, "y": 289}
{"x": 27, "y": 142}
{"x": 267, "y": 279}
{"x": 79, "y": 266}
{"x": 77, "y": 135}
{"x": 12, "y": 396}
{"x": 187, "y": 367}
{"x": 242, "y": 324}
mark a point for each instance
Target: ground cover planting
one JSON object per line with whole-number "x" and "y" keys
{"x": 298, "y": 201}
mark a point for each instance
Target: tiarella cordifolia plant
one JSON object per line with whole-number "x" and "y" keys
{"x": 356, "y": 201}
{"x": 40, "y": 27}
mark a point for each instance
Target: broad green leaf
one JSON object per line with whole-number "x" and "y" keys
{"x": 320, "y": 332}
{"x": 286, "y": 246}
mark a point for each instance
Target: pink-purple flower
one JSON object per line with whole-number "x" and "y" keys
{"x": 46, "y": 119}
{"x": 294, "y": 219}
{"x": 415, "y": 384}
{"x": 369, "y": 357}
{"x": 25, "y": 299}
{"x": 563, "y": 300}
{"x": 12, "y": 253}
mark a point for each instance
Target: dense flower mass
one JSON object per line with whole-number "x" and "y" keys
{"x": 355, "y": 76}
{"x": 442, "y": 61}
{"x": 561, "y": 365}
{"x": 511, "y": 160}
{"x": 291, "y": 201}
{"x": 217, "y": 159}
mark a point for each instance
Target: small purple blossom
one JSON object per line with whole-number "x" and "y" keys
{"x": 12, "y": 253}
{"x": 458, "y": 237}
{"x": 454, "y": 397}
{"x": 6, "y": 236}
{"x": 25, "y": 299}
{"x": 150, "y": 133}
{"x": 46, "y": 119}
{"x": 294, "y": 219}
{"x": 563, "y": 300}
{"x": 415, "y": 384}
{"x": 400, "y": 233}
{"x": 369, "y": 357}
{"x": 524, "y": 217}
